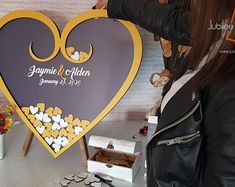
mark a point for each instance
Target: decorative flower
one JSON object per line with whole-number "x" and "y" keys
{"x": 2, "y": 119}
{"x": 6, "y": 120}
{"x": 144, "y": 131}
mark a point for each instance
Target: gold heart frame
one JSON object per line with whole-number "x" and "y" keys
{"x": 60, "y": 43}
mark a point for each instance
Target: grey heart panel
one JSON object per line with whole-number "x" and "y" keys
{"x": 112, "y": 58}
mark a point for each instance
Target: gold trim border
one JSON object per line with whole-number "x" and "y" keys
{"x": 77, "y": 20}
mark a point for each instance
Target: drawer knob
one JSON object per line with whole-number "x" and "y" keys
{"x": 110, "y": 145}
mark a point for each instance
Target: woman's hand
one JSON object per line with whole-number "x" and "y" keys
{"x": 101, "y": 4}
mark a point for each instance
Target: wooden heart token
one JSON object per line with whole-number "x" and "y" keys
{"x": 57, "y": 111}
{"x": 37, "y": 123}
{"x": 70, "y": 129}
{"x": 65, "y": 183}
{"x": 85, "y": 123}
{"x": 46, "y": 133}
{"x": 71, "y": 136}
{"x": 49, "y": 111}
{"x": 31, "y": 118}
{"x": 63, "y": 132}
{"x": 69, "y": 177}
{"x": 48, "y": 126}
{"x": 25, "y": 110}
{"x": 77, "y": 122}
{"x": 41, "y": 106}
{"x": 69, "y": 119}
{"x": 54, "y": 134}
{"x": 70, "y": 51}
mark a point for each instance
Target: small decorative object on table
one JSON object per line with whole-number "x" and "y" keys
{"x": 144, "y": 131}
{"x": 89, "y": 179}
{"x": 6, "y": 122}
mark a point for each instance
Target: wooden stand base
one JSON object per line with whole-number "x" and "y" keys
{"x": 27, "y": 143}
{"x": 82, "y": 142}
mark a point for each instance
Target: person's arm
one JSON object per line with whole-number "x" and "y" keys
{"x": 168, "y": 21}
{"x": 220, "y": 138}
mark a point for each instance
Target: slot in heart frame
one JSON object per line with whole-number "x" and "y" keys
{"x": 114, "y": 52}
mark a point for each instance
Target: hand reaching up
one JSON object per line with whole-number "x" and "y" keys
{"x": 101, "y": 4}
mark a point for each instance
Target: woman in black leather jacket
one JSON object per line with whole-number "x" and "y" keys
{"x": 194, "y": 143}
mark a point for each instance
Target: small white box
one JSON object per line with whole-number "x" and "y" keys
{"x": 153, "y": 119}
{"x": 115, "y": 151}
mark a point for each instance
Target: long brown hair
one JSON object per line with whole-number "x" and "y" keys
{"x": 205, "y": 12}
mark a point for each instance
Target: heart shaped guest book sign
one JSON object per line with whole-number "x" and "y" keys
{"x": 62, "y": 85}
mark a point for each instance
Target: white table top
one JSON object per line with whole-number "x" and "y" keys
{"x": 40, "y": 169}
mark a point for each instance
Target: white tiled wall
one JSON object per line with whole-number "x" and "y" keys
{"x": 141, "y": 96}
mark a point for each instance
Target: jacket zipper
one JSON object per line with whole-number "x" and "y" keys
{"x": 179, "y": 139}
{"x": 179, "y": 120}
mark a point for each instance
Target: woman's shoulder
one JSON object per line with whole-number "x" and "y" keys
{"x": 218, "y": 92}
{"x": 219, "y": 86}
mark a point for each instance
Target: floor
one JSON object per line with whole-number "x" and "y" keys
{"x": 40, "y": 169}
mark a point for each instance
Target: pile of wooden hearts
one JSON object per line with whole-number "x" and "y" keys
{"x": 55, "y": 130}
{"x": 87, "y": 178}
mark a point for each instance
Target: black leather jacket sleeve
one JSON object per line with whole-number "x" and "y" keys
{"x": 168, "y": 21}
{"x": 220, "y": 137}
